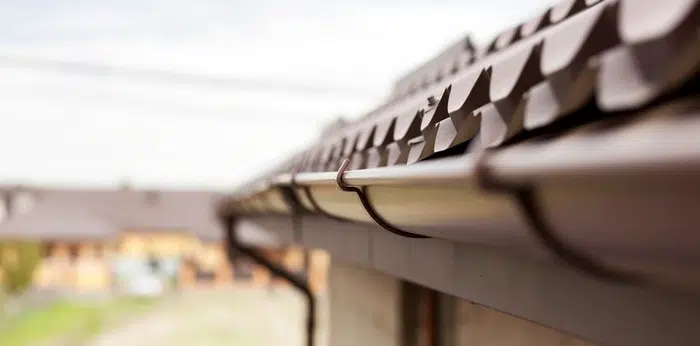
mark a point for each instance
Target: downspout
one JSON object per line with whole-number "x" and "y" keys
{"x": 235, "y": 248}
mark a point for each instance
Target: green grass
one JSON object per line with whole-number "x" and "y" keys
{"x": 62, "y": 320}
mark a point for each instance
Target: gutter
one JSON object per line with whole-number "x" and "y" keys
{"x": 623, "y": 194}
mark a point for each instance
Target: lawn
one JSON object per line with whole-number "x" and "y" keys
{"x": 67, "y": 322}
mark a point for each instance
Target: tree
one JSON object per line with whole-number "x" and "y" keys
{"x": 18, "y": 262}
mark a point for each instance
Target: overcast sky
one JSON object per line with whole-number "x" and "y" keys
{"x": 58, "y": 128}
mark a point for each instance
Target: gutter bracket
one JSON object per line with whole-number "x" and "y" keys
{"x": 317, "y": 208}
{"x": 361, "y": 193}
{"x": 525, "y": 198}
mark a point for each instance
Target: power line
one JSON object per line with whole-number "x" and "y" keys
{"x": 176, "y": 77}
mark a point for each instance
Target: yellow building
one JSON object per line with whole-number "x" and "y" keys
{"x": 75, "y": 246}
{"x": 87, "y": 233}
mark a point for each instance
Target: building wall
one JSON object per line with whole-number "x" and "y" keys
{"x": 319, "y": 266}
{"x": 371, "y": 308}
{"x": 213, "y": 257}
{"x": 477, "y": 325}
{"x": 160, "y": 243}
{"x": 364, "y": 307}
{"x": 80, "y": 266}
{"x": 174, "y": 244}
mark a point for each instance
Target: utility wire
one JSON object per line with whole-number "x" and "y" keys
{"x": 175, "y": 77}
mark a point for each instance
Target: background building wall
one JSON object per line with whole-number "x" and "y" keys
{"x": 160, "y": 243}
{"x": 319, "y": 266}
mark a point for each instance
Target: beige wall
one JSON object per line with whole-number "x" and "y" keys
{"x": 88, "y": 272}
{"x": 319, "y": 266}
{"x": 480, "y": 326}
{"x": 162, "y": 243}
{"x": 363, "y": 307}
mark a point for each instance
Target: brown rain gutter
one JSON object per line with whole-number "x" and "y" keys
{"x": 625, "y": 196}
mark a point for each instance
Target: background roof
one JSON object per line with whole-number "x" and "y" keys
{"x": 51, "y": 221}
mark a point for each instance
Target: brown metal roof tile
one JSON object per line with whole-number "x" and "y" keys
{"x": 358, "y": 160}
{"x": 397, "y": 153}
{"x": 632, "y": 76}
{"x": 384, "y": 131}
{"x": 535, "y": 24}
{"x": 565, "y": 9}
{"x": 315, "y": 159}
{"x": 333, "y": 165}
{"x": 456, "y": 130}
{"x": 326, "y": 153}
{"x": 514, "y": 73}
{"x": 579, "y": 38}
{"x": 408, "y": 125}
{"x": 505, "y": 38}
{"x": 377, "y": 157}
{"x": 415, "y": 149}
{"x": 645, "y": 20}
{"x": 309, "y": 161}
{"x": 469, "y": 93}
{"x": 339, "y": 149}
{"x": 435, "y": 114}
{"x": 496, "y": 123}
{"x": 350, "y": 144}
{"x": 445, "y": 136}
{"x": 429, "y": 135}
{"x": 366, "y": 132}
{"x": 562, "y": 93}
{"x": 302, "y": 162}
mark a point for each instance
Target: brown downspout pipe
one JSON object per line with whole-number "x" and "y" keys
{"x": 235, "y": 248}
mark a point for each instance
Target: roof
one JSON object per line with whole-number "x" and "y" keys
{"x": 57, "y": 223}
{"x": 115, "y": 209}
{"x": 139, "y": 209}
{"x": 531, "y": 76}
{"x": 584, "y": 92}
{"x": 573, "y": 134}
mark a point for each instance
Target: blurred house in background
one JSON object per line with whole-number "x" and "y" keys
{"x": 74, "y": 244}
{"x": 97, "y": 240}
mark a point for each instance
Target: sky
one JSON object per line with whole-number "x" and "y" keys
{"x": 336, "y": 59}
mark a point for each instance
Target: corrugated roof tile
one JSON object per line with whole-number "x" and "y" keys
{"x": 646, "y": 20}
{"x": 579, "y": 38}
{"x": 384, "y": 131}
{"x": 538, "y": 72}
